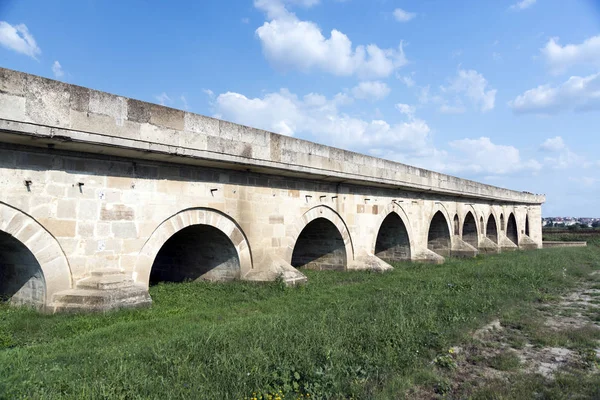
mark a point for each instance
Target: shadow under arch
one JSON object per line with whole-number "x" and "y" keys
{"x": 439, "y": 238}
{"x": 320, "y": 236}
{"x": 512, "y": 232}
{"x": 470, "y": 232}
{"x": 34, "y": 243}
{"x": 189, "y": 225}
{"x": 491, "y": 229}
{"x": 393, "y": 240}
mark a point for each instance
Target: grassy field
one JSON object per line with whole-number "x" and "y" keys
{"x": 343, "y": 335}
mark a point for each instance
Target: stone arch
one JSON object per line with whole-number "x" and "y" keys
{"x": 325, "y": 218}
{"x": 439, "y": 239}
{"x": 393, "y": 239}
{"x": 24, "y": 234}
{"x": 200, "y": 220}
{"x": 470, "y": 232}
{"x": 491, "y": 230}
{"x": 456, "y": 225}
{"x": 512, "y": 231}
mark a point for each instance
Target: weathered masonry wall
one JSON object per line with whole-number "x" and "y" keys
{"x": 109, "y": 194}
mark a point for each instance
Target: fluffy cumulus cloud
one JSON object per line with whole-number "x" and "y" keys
{"x": 553, "y": 144}
{"x": 371, "y": 90}
{"x": 406, "y": 109}
{"x": 560, "y": 58}
{"x": 560, "y": 156}
{"x": 291, "y": 43}
{"x": 577, "y": 93}
{"x": 403, "y": 16}
{"x": 522, "y": 5}
{"x": 474, "y": 87}
{"x": 57, "y": 70}
{"x": 316, "y": 117}
{"x": 19, "y": 39}
{"x": 482, "y": 156}
{"x": 468, "y": 86}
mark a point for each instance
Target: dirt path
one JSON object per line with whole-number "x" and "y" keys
{"x": 553, "y": 339}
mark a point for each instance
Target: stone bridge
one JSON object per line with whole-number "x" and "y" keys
{"x": 102, "y": 196}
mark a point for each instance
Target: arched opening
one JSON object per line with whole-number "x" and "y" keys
{"x": 470, "y": 230}
{"x": 491, "y": 229}
{"x": 21, "y": 277}
{"x": 482, "y": 226}
{"x": 502, "y": 222}
{"x": 320, "y": 246}
{"x": 456, "y": 225}
{"x": 511, "y": 229}
{"x": 196, "y": 252}
{"x": 438, "y": 239}
{"x": 392, "y": 240}
{"x": 527, "y": 225}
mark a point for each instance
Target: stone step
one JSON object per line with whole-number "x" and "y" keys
{"x": 108, "y": 271}
{"x": 105, "y": 282}
{"x": 100, "y": 300}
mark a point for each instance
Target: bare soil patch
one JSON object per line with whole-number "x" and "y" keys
{"x": 552, "y": 339}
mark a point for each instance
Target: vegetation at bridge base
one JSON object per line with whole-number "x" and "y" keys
{"x": 343, "y": 335}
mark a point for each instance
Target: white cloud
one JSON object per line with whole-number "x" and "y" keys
{"x": 577, "y": 93}
{"x": 209, "y": 93}
{"x": 553, "y": 144}
{"x": 407, "y": 80}
{"x": 163, "y": 99}
{"x": 371, "y": 90}
{"x": 184, "y": 102}
{"x": 566, "y": 159}
{"x": 560, "y": 58}
{"x": 19, "y": 39}
{"x": 403, "y": 16}
{"x": 468, "y": 86}
{"x": 294, "y": 44}
{"x": 560, "y": 156}
{"x": 452, "y": 109}
{"x": 475, "y": 87}
{"x": 406, "y": 109}
{"x": 482, "y": 156}
{"x": 522, "y": 5}
{"x": 318, "y": 117}
{"x": 585, "y": 181}
{"x": 57, "y": 70}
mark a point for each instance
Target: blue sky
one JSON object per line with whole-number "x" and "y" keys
{"x": 505, "y": 92}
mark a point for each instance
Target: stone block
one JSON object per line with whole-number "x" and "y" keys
{"x": 110, "y": 105}
{"x": 166, "y": 117}
{"x": 59, "y": 227}
{"x": 201, "y": 125}
{"x": 13, "y": 107}
{"x": 124, "y": 230}
{"x": 66, "y": 209}
{"x": 116, "y": 212}
{"x": 88, "y": 210}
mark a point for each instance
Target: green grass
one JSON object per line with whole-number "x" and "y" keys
{"x": 343, "y": 335}
{"x": 506, "y": 361}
